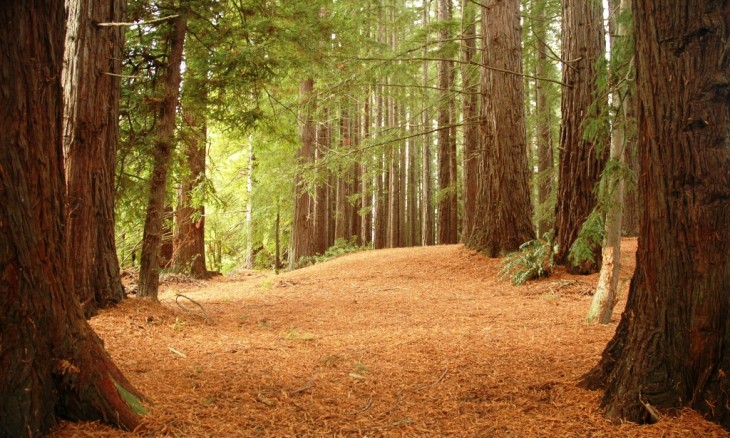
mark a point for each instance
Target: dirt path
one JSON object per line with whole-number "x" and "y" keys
{"x": 405, "y": 342}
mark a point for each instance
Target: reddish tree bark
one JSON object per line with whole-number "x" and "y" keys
{"x": 302, "y": 241}
{"x": 503, "y": 208}
{"x": 672, "y": 346}
{"x": 149, "y": 272}
{"x": 581, "y": 163}
{"x": 91, "y": 118}
{"x": 54, "y": 366}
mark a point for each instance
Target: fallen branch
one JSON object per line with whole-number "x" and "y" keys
{"x": 202, "y": 309}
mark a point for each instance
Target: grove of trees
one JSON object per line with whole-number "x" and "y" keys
{"x": 204, "y": 136}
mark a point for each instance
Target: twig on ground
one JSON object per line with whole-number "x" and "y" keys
{"x": 202, "y": 309}
{"x": 441, "y": 377}
{"x": 364, "y": 408}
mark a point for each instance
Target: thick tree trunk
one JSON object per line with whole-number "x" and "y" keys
{"x": 54, "y": 366}
{"x": 503, "y": 208}
{"x": 302, "y": 241}
{"x": 472, "y": 141}
{"x": 581, "y": 163}
{"x": 149, "y": 272}
{"x": 672, "y": 346}
{"x": 91, "y": 119}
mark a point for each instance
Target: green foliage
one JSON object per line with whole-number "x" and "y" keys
{"x": 340, "y": 247}
{"x": 590, "y": 237}
{"x": 534, "y": 259}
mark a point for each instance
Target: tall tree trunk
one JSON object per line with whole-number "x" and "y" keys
{"x": 581, "y": 162}
{"x": 671, "y": 346}
{"x": 544, "y": 123}
{"x": 427, "y": 219}
{"x": 189, "y": 238}
{"x": 91, "y": 129}
{"x": 365, "y": 180}
{"x": 248, "y": 262}
{"x": 631, "y": 198}
{"x": 503, "y": 208}
{"x": 149, "y": 272}
{"x": 322, "y": 213}
{"x": 606, "y": 294}
{"x": 472, "y": 143}
{"x": 447, "y": 230}
{"x": 302, "y": 241}
{"x": 54, "y": 366}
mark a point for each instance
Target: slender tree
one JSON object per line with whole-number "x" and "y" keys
{"x": 606, "y": 294}
{"x": 582, "y": 157}
{"x": 54, "y": 366}
{"x": 472, "y": 140}
{"x": 503, "y": 208}
{"x": 671, "y": 347}
{"x": 91, "y": 118}
{"x": 427, "y": 219}
{"x": 447, "y": 205}
{"x": 149, "y": 273}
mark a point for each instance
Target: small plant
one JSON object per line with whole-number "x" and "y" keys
{"x": 178, "y": 325}
{"x": 293, "y": 335}
{"x": 534, "y": 259}
{"x": 267, "y": 284}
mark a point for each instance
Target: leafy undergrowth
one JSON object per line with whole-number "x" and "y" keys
{"x": 404, "y": 342}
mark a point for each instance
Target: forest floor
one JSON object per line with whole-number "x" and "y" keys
{"x": 402, "y": 342}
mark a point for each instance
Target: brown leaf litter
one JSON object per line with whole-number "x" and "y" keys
{"x": 403, "y": 342}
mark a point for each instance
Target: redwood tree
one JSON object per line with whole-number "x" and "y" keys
{"x": 149, "y": 272}
{"x": 581, "y": 162}
{"x": 503, "y": 210}
{"x": 54, "y": 366}
{"x": 672, "y": 346}
{"x": 302, "y": 240}
{"x": 91, "y": 120}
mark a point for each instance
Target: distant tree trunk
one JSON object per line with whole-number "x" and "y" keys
{"x": 427, "y": 219}
{"x": 91, "y": 129}
{"x": 54, "y": 366}
{"x": 394, "y": 212}
{"x": 580, "y": 161}
{"x": 343, "y": 192}
{"x": 322, "y": 213}
{"x": 189, "y": 238}
{"x": 302, "y": 241}
{"x": 544, "y": 122}
{"x": 605, "y": 297}
{"x": 366, "y": 224}
{"x": 248, "y": 262}
{"x": 447, "y": 230}
{"x": 503, "y": 208}
{"x": 149, "y": 273}
{"x": 671, "y": 347}
{"x": 472, "y": 143}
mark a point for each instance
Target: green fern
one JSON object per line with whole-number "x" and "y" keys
{"x": 534, "y": 259}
